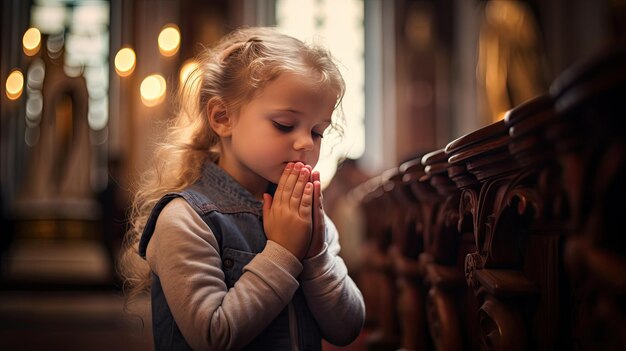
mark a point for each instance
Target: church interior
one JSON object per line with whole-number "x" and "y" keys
{"x": 478, "y": 187}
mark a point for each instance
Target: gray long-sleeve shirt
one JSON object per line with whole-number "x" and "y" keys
{"x": 184, "y": 253}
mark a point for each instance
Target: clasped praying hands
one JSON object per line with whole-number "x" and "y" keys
{"x": 294, "y": 216}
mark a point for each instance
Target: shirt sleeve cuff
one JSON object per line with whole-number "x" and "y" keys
{"x": 281, "y": 257}
{"x": 317, "y": 265}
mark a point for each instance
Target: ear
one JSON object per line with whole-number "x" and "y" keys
{"x": 219, "y": 119}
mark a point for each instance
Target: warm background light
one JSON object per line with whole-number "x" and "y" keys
{"x": 31, "y": 41}
{"x": 125, "y": 62}
{"x": 190, "y": 76}
{"x": 187, "y": 69}
{"x": 15, "y": 84}
{"x": 169, "y": 40}
{"x": 153, "y": 90}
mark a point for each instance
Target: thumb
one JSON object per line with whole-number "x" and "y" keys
{"x": 267, "y": 204}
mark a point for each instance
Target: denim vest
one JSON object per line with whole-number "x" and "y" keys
{"x": 235, "y": 218}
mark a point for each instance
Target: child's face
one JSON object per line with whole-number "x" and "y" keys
{"x": 284, "y": 122}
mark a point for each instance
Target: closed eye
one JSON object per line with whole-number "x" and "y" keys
{"x": 282, "y": 127}
{"x": 287, "y": 128}
{"x": 316, "y": 134}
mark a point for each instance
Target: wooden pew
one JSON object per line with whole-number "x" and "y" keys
{"x": 442, "y": 261}
{"x": 495, "y": 270}
{"x": 511, "y": 237}
{"x": 378, "y": 276}
{"x": 364, "y": 195}
{"x": 590, "y": 140}
{"x": 407, "y": 245}
{"x": 541, "y": 208}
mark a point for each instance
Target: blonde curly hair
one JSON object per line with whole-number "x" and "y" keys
{"x": 241, "y": 64}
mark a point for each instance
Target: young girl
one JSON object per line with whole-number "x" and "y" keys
{"x": 238, "y": 251}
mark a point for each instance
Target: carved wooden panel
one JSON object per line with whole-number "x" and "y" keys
{"x": 510, "y": 238}
{"x": 589, "y": 136}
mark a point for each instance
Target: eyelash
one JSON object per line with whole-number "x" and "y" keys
{"x": 286, "y": 129}
{"x": 282, "y": 127}
{"x": 317, "y": 135}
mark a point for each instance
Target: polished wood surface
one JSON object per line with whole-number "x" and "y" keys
{"x": 510, "y": 237}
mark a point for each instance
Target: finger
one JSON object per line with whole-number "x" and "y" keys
{"x": 283, "y": 178}
{"x": 317, "y": 204}
{"x": 296, "y": 196}
{"x": 310, "y": 171}
{"x": 317, "y": 191}
{"x": 315, "y": 176}
{"x": 307, "y": 201}
{"x": 290, "y": 183}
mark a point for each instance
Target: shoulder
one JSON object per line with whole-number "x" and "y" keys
{"x": 180, "y": 228}
{"x": 178, "y": 207}
{"x": 179, "y": 216}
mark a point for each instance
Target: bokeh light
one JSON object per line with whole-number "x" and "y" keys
{"x": 15, "y": 84}
{"x": 190, "y": 77}
{"x": 169, "y": 40}
{"x": 187, "y": 69}
{"x": 31, "y": 41}
{"x": 153, "y": 90}
{"x": 125, "y": 62}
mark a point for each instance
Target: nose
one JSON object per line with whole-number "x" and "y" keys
{"x": 304, "y": 142}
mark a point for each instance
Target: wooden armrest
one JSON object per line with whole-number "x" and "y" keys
{"x": 501, "y": 282}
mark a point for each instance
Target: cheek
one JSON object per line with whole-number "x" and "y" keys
{"x": 266, "y": 151}
{"x": 271, "y": 145}
{"x": 251, "y": 140}
{"x": 314, "y": 157}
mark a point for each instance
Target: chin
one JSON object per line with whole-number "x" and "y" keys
{"x": 274, "y": 178}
